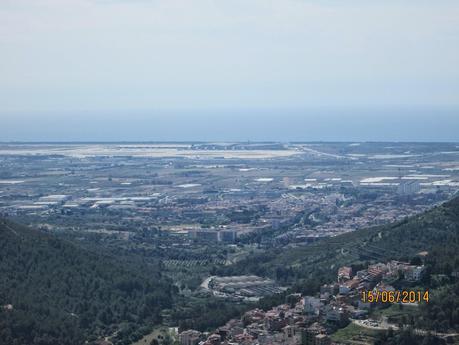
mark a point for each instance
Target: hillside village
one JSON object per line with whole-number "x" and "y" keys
{"x": 311, "y": 319}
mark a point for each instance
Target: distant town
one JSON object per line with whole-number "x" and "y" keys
{"x": 220, "y": 192}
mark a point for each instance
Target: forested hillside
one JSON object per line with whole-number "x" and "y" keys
{"x": 52, "y": 292}
{"x": 435, "y": 231}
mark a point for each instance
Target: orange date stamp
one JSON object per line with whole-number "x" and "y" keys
{"x": 398, "y": 296}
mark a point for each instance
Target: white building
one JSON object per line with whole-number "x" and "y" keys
{"x": 311, "y": 305}
{"x": 414, "y": 273}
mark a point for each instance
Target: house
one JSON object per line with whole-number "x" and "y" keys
{"x": 327, "y": 291}
{"x": 189, "y": 337}
{"x": 292, "y": 335}
{"x": 344, "y": 273}
{"x": 308, "y": 335}
{"x": 414, "y": 273}
{"x": 359, "y": 314}
{"x": 349, "y": 285}
{"x": 213, "y": 339}
{"x": 336, "y": 314}
{"x": 311, "y": 305}
{"x": 375, "y": 272}
{"x": 322, "y": 339}
{"x": 244, "y": 339}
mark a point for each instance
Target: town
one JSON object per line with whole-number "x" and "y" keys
{"x": 220, "y": 193}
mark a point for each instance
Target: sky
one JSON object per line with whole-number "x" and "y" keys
{"x": 108, "y": 70}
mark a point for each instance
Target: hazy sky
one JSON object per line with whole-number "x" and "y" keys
{"x": 229, "y": 70}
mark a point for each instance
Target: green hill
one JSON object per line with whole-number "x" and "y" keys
{"x": 435, "y": 231}
{"x": 62, "y": 294}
